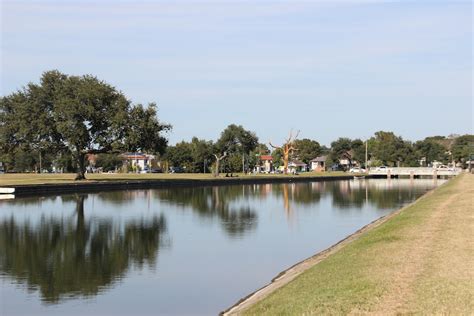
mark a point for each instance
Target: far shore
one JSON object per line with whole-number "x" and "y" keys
{"x": 12, "y": 179}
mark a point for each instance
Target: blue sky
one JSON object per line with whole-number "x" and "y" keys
{"x": 327, "y": 68}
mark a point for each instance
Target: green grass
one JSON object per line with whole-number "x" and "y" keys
{"x": 32, "y": 178}
{"x": 419, "y": 261}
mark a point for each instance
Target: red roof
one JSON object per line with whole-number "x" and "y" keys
{"x": 266, "y": 157}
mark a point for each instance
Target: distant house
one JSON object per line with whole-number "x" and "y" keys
{"x": 266, "y": 164}
{"x": 297, "y": 166}
{"x": 346, "y": 161}
{"x": 318, "y": 164}
{"x": 91, "y": 158}
{"x": 140, "y": 161}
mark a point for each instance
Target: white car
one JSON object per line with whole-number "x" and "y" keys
{"x": 444, "y": 168}
{"x": 381, "y": 168}
{"x": 357, "y": 170}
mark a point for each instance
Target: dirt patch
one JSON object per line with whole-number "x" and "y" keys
{"x": 402, "y": 280}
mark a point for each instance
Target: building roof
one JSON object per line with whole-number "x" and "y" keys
{"x": 320, "y": 159}
{"x": 266, "y": 157}
{"x": 297, "y": 163}
{"x": 91, "y": 157}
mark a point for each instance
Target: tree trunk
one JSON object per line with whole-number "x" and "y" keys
{"x": 286, "y": 156}
{"x": 40, "y": 163}
{"x": 81, "y": 166}
{"x": 216, "y": 172}
{"x": 218, "y": 160}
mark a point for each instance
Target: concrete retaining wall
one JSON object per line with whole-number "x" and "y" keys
{"x": 64, "y": 188}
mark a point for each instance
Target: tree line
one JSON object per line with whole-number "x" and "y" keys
{"x": 384, "y": 148}
{"x": 64, "y": 118}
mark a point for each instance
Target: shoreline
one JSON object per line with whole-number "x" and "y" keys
{"x": 22, "y": 190}
{"x": 289, "y": 274}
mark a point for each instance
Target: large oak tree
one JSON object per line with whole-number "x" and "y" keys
{"x": 79, "y": 115}
{"x": 234, "y": 144}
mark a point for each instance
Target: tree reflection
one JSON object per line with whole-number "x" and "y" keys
{"x": 64, "y": 257}
{"x": 345, "y": 195}
{"x": 305, "y": 193}
{"x": 217, "y": 202}
{"x": 350, "y": 194}
{"x": 221, "y": 201}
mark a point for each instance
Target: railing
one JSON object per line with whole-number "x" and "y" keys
{"x": 415, "y": 171}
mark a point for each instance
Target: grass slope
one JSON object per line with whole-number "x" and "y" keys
{"x": 420, "y": 261}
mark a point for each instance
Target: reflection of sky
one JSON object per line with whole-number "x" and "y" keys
{"x": 203, "y": 265}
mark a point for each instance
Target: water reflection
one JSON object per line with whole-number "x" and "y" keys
{"x": 220, "y": 202}
{"x": 71, "y": 256}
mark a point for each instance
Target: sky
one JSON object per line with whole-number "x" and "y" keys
{"x": 327, "y": 68}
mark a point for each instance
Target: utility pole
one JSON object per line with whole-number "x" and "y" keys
{"x": 243, "y": 163}
{"x": 366, "y": 156}
{"x": 40, "y": 162}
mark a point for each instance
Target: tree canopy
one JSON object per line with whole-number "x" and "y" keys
{"x": 236, "y": 142}
{"x": 236, "y": 139}
{"x": 307, "y": 149}
{"x": 430, "y": 150}
{"x": 391, "y": 150}
{"x": 463, "y": 148}
{"x": 194, "y": 156}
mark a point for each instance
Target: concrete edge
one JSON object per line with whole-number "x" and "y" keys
{"x": 98, "y": 186}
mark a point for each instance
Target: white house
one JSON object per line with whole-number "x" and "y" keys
{"x": 139, "y": 160}
{"x": 318, "y": 164}
{"x": 296, "y": 166}
{"x": 266, "y": 163}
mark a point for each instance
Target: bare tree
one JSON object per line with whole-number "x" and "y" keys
{"x": 287, "y": 148}
{"x": 218, "y": 160}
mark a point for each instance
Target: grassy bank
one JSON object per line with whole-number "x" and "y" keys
{"x": 32, "y": 178}
{"x": 420, "y": 261}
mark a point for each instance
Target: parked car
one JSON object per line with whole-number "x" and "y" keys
{"x": 176, "y": 170}
{"x": 357, "y": 170}
{"x": 381, "y": 168}
{"x": 149, "y": 170}
{"x": 335, "y": 167}
{"x": 444, "y": 168}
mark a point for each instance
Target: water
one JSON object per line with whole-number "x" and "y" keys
{"x": 192, "y": 251}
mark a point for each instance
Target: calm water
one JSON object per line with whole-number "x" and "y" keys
{"x": 177, "y": 251}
